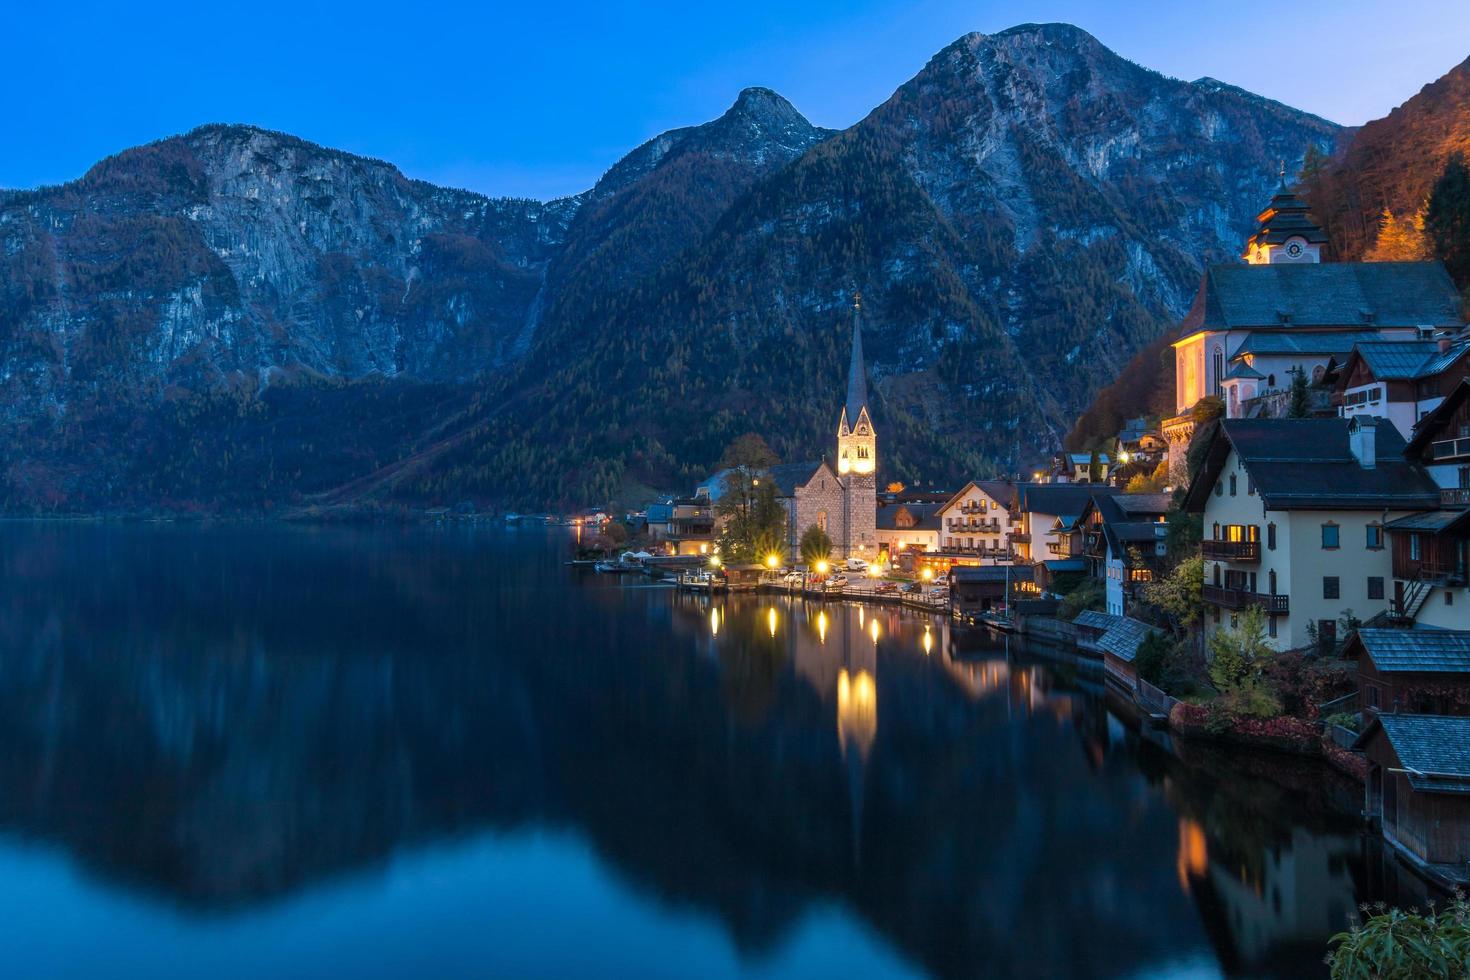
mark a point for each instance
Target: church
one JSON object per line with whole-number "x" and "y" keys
{"x": 841, "y": 496}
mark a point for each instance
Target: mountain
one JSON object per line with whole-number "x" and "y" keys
{"x": 1391, "y": 163}
{"x": 235, "y": 317}
{"x": 1021, "y": 216}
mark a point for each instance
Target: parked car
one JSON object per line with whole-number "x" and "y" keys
{"x": 886, "y": 588}
{"x": 836, "y": 582}
{"x": 911, "y": 588}
{"x": 939, "y": 592}
{"x": 793, "y": 577}
{"x": 857, "y": 565}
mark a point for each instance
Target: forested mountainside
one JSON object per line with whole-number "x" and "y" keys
{"x": 235, "y": 318}
{"x": 1390, "y": 164}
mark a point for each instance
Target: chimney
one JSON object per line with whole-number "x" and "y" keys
{"x": 1363, "y": 440}
{"x": 1444, "y": 343}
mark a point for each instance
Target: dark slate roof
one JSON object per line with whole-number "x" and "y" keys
{"x": 857, "y": 375}
{"x": 1285, "y": 216}
{"x": 1329, "y": 294}
{"x": 991, "y": 573}
{"x": 1406, "y": 360}
{"x": 1001, "y": 491}
{"x": 1434, "y": 748}
{"x": 1265, "y": 342}
{"x": 789, "y": 476}
{"x": 1305, "y": 464}
{"x": 1056, "y": 565}
{"x": 1144, "y": 503}
{"x": 1433, "y": 521}
{"x": 926, "y": 516}
{"x": 1416, "y": 651}
{"x": 1059, "y": 498}
{"x": 1123, "y": 638}
{"x": 1094, "y": 620}
{"x": 1241, "y": 371}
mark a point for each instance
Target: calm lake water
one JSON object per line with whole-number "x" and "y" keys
{"x": 281, "y": 752}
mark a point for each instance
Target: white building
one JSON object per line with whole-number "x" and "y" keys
{"x": 1294, "y": 521}
{"x": 1402, "y": 381}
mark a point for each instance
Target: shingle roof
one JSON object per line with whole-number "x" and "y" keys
{"x": 1434, "y": 748}
{"x": 1328, "y": 294}
{"x": 789, "y": 476}
{"x": 1123, "y": 638}
{"x": 992, "y": 573}
{"x": 1059, "y": 498}
{"x": 1144, "y": 503}
{"x": 1416, "y": 651}
{"x": 1437, "y": 421}
{"x": 1241, "y": 371}
{"x": 1433, "y": 521}
{"x": 1092, "y": 619}
{"x": 1406, "y": 360}
{"x": 1265, "y": 342}
{"x": 1305, "y": 464}
{"x": 1065, "y": 565}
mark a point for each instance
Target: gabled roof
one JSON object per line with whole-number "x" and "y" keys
{"x": 1003, "y": 492}
{"x": 1241, "y": 371}
{"x": 1435, "y": 749}
{"x": 1123, "y": 638}
{"x": 857, "y": 374}
{"x": 1433, "y": 521}
{"x": 926, "y": 516}
{"x": 1287, "y": 215}
{"x": 1429, "y": 428}
{"x": 1286, "y": 296}
{"x": 1058, "y": 498}
{"x": 1094, "y": 620}
{"x": 1156, "y": 504}
{"x": 1413, "y": 651}
{"x": 1305, "y": 464}
{"x": 962, "y": 574}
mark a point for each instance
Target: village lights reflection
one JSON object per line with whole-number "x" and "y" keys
{"x": 714, "y": 621}
{"x": 822, "y": 627}
{"x": 857, "y": 710}
{"x": 927, "y": 641}
{"x": 771, "y": 620}
{"x": 873, "y": 629}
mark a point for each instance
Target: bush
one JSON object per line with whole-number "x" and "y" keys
{"x": 1088, "y": 594}
{"x": 1395, "y": 943}
{"x": 1346, "y": 719}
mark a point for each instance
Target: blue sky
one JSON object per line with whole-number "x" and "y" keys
{"x": 538, "y": 99}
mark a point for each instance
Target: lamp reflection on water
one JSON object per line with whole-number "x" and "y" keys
{"x": 714, "y": 621}
{"x": 927, "y": 641}
{"x": 857, "y": 710}
{"x": 771, "y": 620}
{"x": 873, "y": 629}
{"x": 822, "y": 627}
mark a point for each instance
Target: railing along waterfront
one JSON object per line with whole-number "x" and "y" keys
{"x": 1241, "y": 599}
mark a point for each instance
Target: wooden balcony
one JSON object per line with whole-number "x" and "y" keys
{"x": 1242, "y": 551}
{"x": 1241, "y": 599}
{"x": 1020, "y": 537}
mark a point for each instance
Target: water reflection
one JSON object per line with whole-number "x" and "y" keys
{"x": 222, "y": 718}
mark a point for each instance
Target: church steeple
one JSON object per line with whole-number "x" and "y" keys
{"x": 1285, "y": 232}
{"x": 856, "y": 444}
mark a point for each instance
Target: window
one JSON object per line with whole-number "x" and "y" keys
{"x": 1414, "y": 547}
{"x": 1250, "y": 485}
{"x": 1375, "y": 586}
{"x": 1216, "y": 535}
{"x": 1271, "y": 578}
{"x": 1375, "y": 537}
{"x": 1219, "y": 366}
{"x": 1271, "y": 624}
{"x": 1232, "y": 484}
{"x": 1329, "y": 535}
{"x": 1220, "y": 488}
{"x": 1331, "y": 587}
{"x": 1449, "y": 597}
{"x": 1271, "y": 537}
{"x": 1465, "y": 478}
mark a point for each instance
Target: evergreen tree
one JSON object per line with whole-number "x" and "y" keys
{"x": 1447, "y": 219}
{"x": 815, "y": 546}
{"x": 1299, "y": 406}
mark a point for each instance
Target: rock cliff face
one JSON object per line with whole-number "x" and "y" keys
{"x": 1022, "y": 215}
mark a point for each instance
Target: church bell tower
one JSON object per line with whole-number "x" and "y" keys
{"x": 857, "y": 446}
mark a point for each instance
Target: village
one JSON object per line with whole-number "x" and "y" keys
{"x": 1283, "y": 563}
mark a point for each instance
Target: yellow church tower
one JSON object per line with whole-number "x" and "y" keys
{"x": 857, "y": 445}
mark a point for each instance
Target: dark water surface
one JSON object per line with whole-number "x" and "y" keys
{"x": 279, "y": 752}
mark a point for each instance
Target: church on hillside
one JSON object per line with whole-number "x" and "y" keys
{"x": 1253, "y": 325}
{"x": 838, "y": 495}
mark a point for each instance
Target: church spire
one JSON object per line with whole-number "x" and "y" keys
{"x": 857, "y": 381}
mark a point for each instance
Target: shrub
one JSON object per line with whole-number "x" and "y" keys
{"x": 1395, "y": 943}
{"x": 1089, "y": 594}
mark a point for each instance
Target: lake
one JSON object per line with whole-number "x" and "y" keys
{"x": 277, "y": 751}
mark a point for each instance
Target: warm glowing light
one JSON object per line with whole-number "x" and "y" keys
{"x": 704, "y": 548}
{"x": 844, "y": 465}
{"x": 822, "y": 567}
{"x": 773, "y": 560}
{"x": 863, "y": 466}
{"x": 927, "y": 641}
{"x": 1123, "y": 456}
{"x": 927, "y": 574}
{"x": 714, "y": 560}
{"x": 714, "y": 621}
{"x": 1037, "y": 474}
{"x": 875, "y": 570}
{"x": 873, "y": 629}
{"x": 1193, "y": 859}
{"x": 822, "y": 627}
{"x": 771, "y": 620}
{"x": 857, "y": 710}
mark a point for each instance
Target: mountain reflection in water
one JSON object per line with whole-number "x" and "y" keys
{"x": 238, "y": 723}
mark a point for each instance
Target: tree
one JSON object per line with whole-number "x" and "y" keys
{"x": 1149, "y": 482}
{"x": 1298, "y": 405}
{"x": 752, "y": 516}
{"x": 1094, "y": 468}
{"x": 1447, "y": 219}
{"x": 1180, "y": 594}
{"x": 1400, "y": 239}
{"x": 815, "y": 546}
{"x": 1395, "y": 943}
{"x": 1236, "y": 658}
{"x": 1207, "y": 409}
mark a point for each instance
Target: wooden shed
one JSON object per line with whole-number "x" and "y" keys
{"x": 1418, "y": 785}
{"x": 1418, "y": 671}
